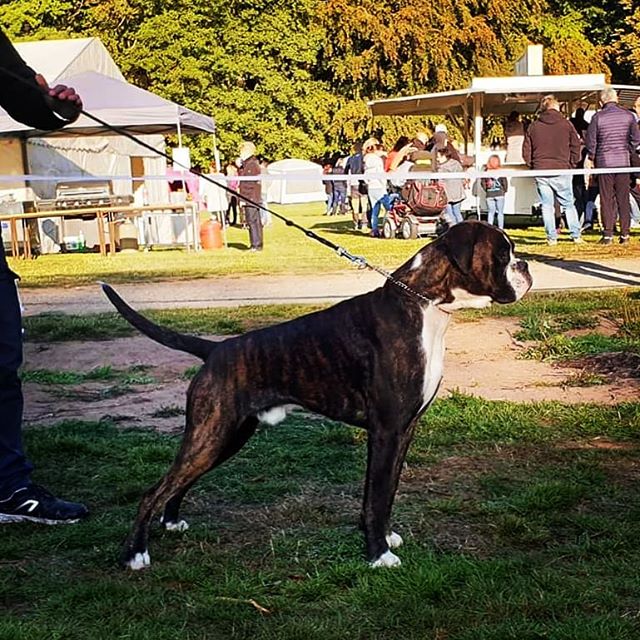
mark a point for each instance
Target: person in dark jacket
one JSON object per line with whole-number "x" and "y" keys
{"x": 26, "y": 96}
{"x": 612, "y": 136}
{"x": 635, "y": 157}
{"x": 551, "y": 142}
{"x": 251, "y": 189}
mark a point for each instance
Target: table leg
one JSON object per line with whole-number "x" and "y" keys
{"x": 112, "y": 235}
{"x": 101, "y": 238}
{"x": 26, "y": 239}
{"x": 15, "y": 245}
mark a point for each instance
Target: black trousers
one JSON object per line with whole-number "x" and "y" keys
{"x": 614, "y": 202}
{"x": 252, "y": 215}
{"x": 14, "y": 467}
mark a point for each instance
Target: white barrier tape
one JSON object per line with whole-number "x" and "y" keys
{"x": 470, "y": 174}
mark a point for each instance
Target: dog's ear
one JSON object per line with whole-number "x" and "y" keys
{"x": 460, "y": 242}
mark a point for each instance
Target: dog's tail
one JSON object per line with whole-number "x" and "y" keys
{"x": 169, "y": 338}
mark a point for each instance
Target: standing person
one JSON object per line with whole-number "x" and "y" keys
{"x": 635, "y": 157}
{"x": 400, "y": 144}
{"x": 327, "y": 168}
{"x": 446, "y": 163}
{"x": 358, "y": 197}
{"x": 251, "y": 189}
{"x": 514, "y": 136}
{"x": 339, "y": 202}
{"x": 31, "y": 102}
{"x": 612, "y": 136}
{"x": 551, "y": 142}
{"x": 495, "y": 190}
{"x": 376, "y": 186}
{"x": 232, "y": 210}
{"x": 579, "y": 122}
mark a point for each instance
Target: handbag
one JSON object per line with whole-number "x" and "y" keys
{"x": 425, "y": 197}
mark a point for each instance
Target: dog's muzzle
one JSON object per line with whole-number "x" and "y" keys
{"x": 519, "y": 278}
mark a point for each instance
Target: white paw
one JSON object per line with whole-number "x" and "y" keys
{"x": 139, "y": 561}
{"x": 182, "y": 525}
{"x": 387, "y": 559}
{"x": 394, "y": 540}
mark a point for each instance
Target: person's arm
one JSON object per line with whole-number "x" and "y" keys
{"x": 527, "y": 152}
{"x": 590, "y": 140}
{"x": 505, "y": 184}
{"x": 27, "y": 98}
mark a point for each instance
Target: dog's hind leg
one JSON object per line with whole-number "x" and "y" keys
{"x": 171, "y": 516}
{"x": 387, "y": 449}
{"x": 205, "y": 445}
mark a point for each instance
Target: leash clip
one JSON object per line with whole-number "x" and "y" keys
{"x": 359, "y": 261}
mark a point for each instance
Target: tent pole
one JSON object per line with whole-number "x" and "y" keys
{"x": 477, "y": 137}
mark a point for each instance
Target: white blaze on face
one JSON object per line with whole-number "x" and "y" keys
{"x": 519, "y": 282}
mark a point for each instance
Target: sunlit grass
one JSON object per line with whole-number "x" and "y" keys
{"x": 287, "y": 250}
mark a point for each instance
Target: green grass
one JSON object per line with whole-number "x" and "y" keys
{"x": 133, "y": 375}
{"x": 561, "y": 311}
{"x": 520, "y": 522}
{"x": 286, "y": 251}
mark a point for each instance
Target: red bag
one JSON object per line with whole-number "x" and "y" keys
{"x": 426, "y": 198}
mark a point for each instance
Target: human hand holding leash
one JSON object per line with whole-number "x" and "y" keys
{"x": 62, "y": 99}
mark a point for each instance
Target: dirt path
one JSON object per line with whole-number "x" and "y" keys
{"x": 482, "y": 360}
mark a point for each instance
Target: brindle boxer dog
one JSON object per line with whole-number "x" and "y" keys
{"x": 374, "y": 361}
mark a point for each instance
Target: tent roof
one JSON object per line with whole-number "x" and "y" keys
{"x": 293, "y": 164}
{"x": 501, "y": 95}
{"x": 120, "y": 104}
{"x": 58, "y": 59}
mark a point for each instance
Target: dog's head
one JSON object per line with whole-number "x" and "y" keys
{"x": 470, "y": 266}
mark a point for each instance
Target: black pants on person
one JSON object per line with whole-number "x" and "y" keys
{"x": 14, "y": 467}
{"x": 252, "y": 216}
{"x": 232, "y": 208}
{"x": 614, "y": 202}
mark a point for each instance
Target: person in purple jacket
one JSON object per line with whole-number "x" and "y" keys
{"x": 613, "y": 135}
{"x": 26, "y": 97}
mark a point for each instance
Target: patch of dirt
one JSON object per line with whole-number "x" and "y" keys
{"x": 621, "y": 364}
{"x": 481, "y": 359}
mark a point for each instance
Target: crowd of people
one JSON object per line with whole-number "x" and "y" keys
{"x": 552, "y": 141}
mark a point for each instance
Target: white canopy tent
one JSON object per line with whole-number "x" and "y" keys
{"x": 303, "y": 182}
{"x": 86, "y": 147}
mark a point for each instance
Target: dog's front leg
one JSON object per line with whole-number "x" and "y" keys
{"x": 387, "y": 448}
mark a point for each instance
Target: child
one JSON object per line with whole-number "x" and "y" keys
{"x": 495, "y": 188}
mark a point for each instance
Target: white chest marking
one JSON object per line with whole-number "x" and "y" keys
{"x": 276, "y": 414}
{"x": 434, "y": 326}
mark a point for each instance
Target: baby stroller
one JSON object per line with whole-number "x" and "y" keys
{"x": 418, "y": 212}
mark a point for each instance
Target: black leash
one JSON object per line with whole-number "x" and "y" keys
{"x": 62, "y": 108}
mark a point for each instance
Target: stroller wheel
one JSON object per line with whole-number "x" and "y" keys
{"x": 389, "y": 229}
{"x": 408, "y": 230}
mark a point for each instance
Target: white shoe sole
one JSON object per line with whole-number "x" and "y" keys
{"x": 9, "y": 519}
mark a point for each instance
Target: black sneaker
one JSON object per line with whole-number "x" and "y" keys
{"x": 624, "y": 239}
{"x": 35, "y": 504}
{"x": 605, "y": 240}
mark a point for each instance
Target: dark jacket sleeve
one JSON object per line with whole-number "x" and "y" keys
{"x": 527, "y": 152}
{"x": 505, "y": 184}
{"x": 23, "y": 100}
{"x": 590, "y": 138}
